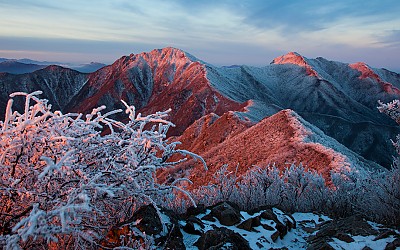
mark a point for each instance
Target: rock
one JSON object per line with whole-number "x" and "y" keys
{"x": 268, "y": 214}
{"x": 290, "y": 222}
{"x": 256, "y": 222}
{"x": 226, "y": 214}
{"x": 196, "y": 220}
{"x": 220, "y": 237}
{"x": 309, "y": 230}
{"x": 149, "y": 221}
{"x": 353, "y": 225}
{"x": 195, "y": 210}
{"x": 246, "y": 225}
{"x": 275, "y": 236}
{"x": 208, "y": 217}
{"x": 344, "y": 237}
{"x": 320, "y": 246}
{"x": 173, "y": 239}
{"x": 366, "y": 248}
{"x": 384, "y": 235}
{"x": 190, "y": 229}
{"x": 250, "y": 223}
{"x": 393, "y": 245}
{"x": 267, "y": 227}
{"x": 282, "y": 229}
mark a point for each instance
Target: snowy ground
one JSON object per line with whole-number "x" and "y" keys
{"x": 260, "y": 238}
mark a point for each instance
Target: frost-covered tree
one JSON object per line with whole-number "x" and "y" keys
{"x": 67, "y": 179}
{"x": 391, "y": 184}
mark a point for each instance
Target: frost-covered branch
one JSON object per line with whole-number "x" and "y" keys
{"x": 62, "y": 180}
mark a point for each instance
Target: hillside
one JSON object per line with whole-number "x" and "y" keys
{"x": 338, "y": 98}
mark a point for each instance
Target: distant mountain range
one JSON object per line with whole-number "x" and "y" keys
{"x": 23, "y": 66}
{"x": 318, "y": 112}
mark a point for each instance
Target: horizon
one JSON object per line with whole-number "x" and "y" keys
{"x": 220, "y": 33}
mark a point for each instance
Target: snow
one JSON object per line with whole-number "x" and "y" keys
{"x": 295, "y": 239}
{"x": 360, "y": 242}
{"x": 310, "y": 217}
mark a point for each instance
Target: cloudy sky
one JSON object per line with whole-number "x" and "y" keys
{"x": 220, "y": 32}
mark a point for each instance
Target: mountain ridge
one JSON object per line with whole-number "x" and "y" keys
{"x": 319, "y": 90}
{"x": 281, "y": 139}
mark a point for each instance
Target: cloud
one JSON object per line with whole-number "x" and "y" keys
{"x": 390, "y": 39}
{"x": 72, "y": 50}
{"x": 221, "y": 32}
{"x": 294, "y": 17}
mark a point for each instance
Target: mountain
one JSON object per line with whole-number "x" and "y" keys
{"x": 331, "y": 95}
{"x": 22, "y": 66}
{"x": 216, "y": 106}
{"x": 15, "y": 67}
{"x": 88, "y": 67}
{"x": 59, "y": 85}
{"x": 281, "y": 139}
{"x": 155, "y": 81}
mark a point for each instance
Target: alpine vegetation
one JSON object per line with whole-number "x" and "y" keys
{"x": 67, "y": 179}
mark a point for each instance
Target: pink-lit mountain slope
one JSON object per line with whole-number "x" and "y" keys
{"x": 281, "y": 139}
{"x": 156, "y": 81}
{"x": 331, "y": 95}
{"x": 338, "y": 98}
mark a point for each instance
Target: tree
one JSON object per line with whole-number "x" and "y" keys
{"x": 69, "y": 178}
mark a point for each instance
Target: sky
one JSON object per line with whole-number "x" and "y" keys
{"x": 219, "y": 32}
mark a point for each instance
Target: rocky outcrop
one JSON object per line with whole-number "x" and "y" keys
{"x": 224, "y": 226}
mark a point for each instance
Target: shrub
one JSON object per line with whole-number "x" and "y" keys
{"x": 69, "y": 179}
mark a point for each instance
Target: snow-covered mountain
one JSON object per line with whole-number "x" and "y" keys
{"x": 155, "y": 81}
{"x": 214, "y": 107}
{"x": 281, "y": 139}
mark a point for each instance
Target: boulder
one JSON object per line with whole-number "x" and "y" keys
{"x": 385, "y": 234}
{"x": 282, "y": 229}
{"x": 226, "y": 214}
{"x": 268, "y": 214}
{"x": 149, "y": 223}
{"x": 190, "y": 229}
{"x": 393, "y": 245}
{"x": 222, "y": 238}
{"x": 275, "y": 236}
{"x": 342, "y": 228}
{"x": 250, "y": 223}
{"x": 344, "y": 237}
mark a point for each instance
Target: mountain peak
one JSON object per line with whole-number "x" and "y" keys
{"x": 365, "y": 70}
{"x": 168, "y": 53}
{"x": 296, "y": 59}
{"x": 55, "y": 68}
{"x": 368, "y": 72}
